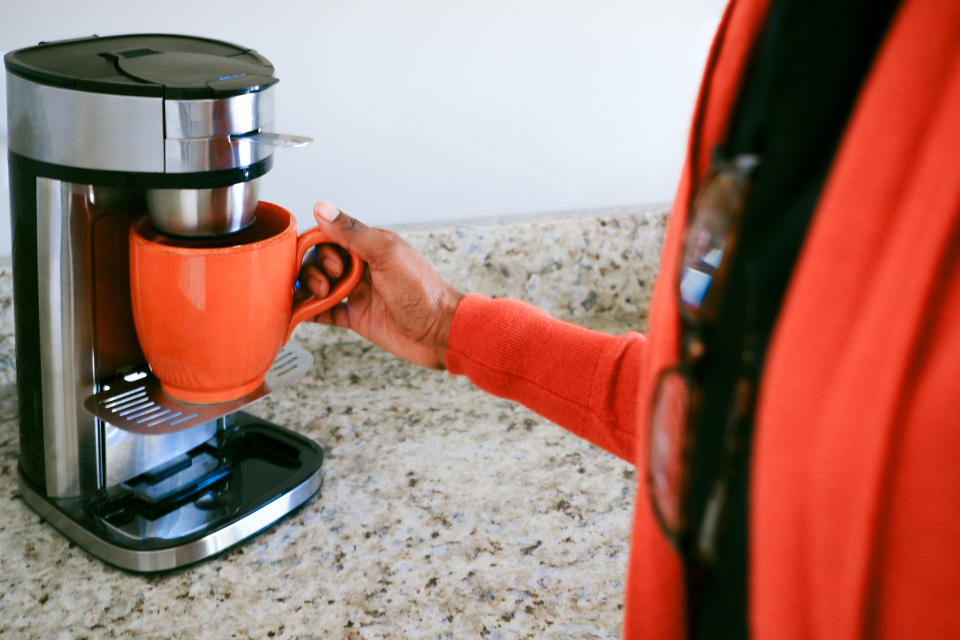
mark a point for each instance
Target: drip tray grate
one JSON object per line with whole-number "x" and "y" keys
{"x": 137, "y": 403}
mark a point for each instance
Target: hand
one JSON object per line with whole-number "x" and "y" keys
{"x": 400, "y": 304}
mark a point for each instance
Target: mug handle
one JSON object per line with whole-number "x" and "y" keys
{"x": 312, "y": 306}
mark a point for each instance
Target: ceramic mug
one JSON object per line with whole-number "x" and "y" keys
{"x": 212, "y": 314}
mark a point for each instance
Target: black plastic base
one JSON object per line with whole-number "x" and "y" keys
{"x": 196, "y": 505}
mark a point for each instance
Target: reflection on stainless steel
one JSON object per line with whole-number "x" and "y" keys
{"x": 140, "y": 406}
{"x": 203, "y": 212}
{"x": 185, "y": 521}
{"x": 220, "y": 118}
{"x": 194, "y": 468}
{"x": 187, "y": 155}
{"x": 70, "y": 434}
{"x": 134, "y": 133}
{"x": 129, "y": 454}
{"x": 107, "y": 198}
{"x": 83, "y": 129}
{"x": 198, "y": 132}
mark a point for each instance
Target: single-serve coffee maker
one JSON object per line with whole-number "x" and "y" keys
{"x": 102, "y": 130}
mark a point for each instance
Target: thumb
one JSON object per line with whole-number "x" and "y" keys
{"x": 349, "y": 233}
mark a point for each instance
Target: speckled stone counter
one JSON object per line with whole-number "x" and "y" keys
{"x": 445, "y": 513}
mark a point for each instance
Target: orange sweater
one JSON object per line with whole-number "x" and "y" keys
{"x": 855, "y": 481}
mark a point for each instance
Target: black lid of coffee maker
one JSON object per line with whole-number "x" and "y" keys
{"x": 155, "y": 65}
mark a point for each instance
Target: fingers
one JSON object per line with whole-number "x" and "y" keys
{"x": 369, "y": 243}
{"x": 330, "y": 259}
{"x": 315, "y": 281}
{"x": 325, "y": 265}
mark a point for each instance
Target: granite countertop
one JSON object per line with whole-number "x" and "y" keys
{"x": 445, "y": 512}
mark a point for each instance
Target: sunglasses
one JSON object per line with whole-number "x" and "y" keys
{"x": 709, "y": 244}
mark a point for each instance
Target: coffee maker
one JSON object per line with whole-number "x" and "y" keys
{"x": 100, "y": 128}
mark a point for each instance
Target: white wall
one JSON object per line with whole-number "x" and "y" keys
{"x": 427, "y": 110}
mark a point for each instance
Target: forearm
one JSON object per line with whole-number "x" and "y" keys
{"x": 583, "y": 380}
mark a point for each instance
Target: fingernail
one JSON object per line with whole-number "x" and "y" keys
{"x": 326, "y": 210}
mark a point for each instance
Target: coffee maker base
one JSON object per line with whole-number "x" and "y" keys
{"x": 195, "y": 506}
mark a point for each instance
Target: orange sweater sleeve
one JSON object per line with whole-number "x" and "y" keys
{"x": 583, "y": 380}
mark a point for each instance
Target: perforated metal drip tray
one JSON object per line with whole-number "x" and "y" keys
{"x": 137, "y": 403}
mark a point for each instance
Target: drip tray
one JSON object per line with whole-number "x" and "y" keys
{"x": 195, "y": 505}
{"x": 198, "y": 491}
{"x": 137, "y": 403}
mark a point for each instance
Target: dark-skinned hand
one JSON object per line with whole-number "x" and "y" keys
{"x": 400, "y": 303}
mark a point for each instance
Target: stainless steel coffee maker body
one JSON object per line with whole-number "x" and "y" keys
{"x": 103, "y": 130}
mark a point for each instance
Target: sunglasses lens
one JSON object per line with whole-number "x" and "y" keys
{"x": 666, "y": 450}
{"x": 712, "y": 222}
{"x": 709, "y": 242}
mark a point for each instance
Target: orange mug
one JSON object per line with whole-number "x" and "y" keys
{"x": 211, "y": 314}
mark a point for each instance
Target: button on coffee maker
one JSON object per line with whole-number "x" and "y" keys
{"x": 101, "y": 131}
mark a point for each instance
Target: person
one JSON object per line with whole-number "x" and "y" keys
{"x": 791, "y": 409}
